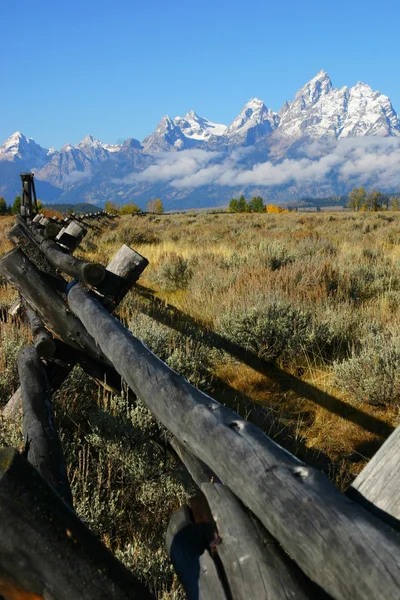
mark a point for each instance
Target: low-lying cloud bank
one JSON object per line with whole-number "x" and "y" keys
{"x": 355, "y": 161}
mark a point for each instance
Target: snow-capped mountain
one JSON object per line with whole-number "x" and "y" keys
{"x": 25, "y": 150}
{"x": 253, "y": 122}
{"x": 190, "y": 160}
{"x": 198, "y": 128}
{"x": 320, "y": 112}
{"x": 167, "y": 136}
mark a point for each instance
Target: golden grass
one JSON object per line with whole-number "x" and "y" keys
{"x": 228, "y": 256}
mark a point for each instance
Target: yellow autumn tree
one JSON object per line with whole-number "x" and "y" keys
{"x": 155, "y": 206}
{"x": 272, "y": 208}
{"x": 129, "y": 209}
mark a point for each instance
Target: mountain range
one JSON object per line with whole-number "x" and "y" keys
{"x": 323, "y": 142}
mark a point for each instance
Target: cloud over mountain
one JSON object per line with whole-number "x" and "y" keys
{"x": 350, "y": 159}
{"x": 324, "y": 141}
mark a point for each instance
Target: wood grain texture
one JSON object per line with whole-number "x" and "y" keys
{"x": 347, "y": 551}
{"x": 255, "y": 566}
{"x": 378, "y": 484}
{"x": 14, "y": 405}
{"x": 254, "y": 563}
{"x": 121, "y": 273}
{"x": 192, "y": 561}
{"x": 46, "y": 550}
{"x": 42, "y": 444}
{"x": 83, "y": 270}
{"x": 42, "y": 339}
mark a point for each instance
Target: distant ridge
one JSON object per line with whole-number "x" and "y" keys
{"x": 322, "y": 143}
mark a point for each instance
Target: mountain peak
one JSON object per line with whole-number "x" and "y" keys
{"x": 88, "y": 139}
{"x": 22, "y": 149}
{"x": 318, "y": 86}
{"x": 198, "y": 128}
{"x": 255, "y": 120}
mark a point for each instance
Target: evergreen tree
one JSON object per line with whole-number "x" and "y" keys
{"x": 234, "y": 205}
{"x": 257, "y": 204}
{"x": 16, "y": 207}
{"x": 3, "y": 206}
{"x": 243, "y": 204}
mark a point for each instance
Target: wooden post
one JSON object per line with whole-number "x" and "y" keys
{"x": 26, "y": 209}
{"x": 253, "y": 562}
{"x": 72, "y": 235}
{"x": 301, "y": 508}
{"x": 42, "y": 444}
{"x": 46, "y": 550}
{"x": 16, "y": 235}
{"x": 121, "y": 273}
{"x": 13, "y": 405}
{"x": 377, "y": 487}
{"x": 88, "y": 272}
{"x": 191, "y": 559}
{"x": 42, "y": 340}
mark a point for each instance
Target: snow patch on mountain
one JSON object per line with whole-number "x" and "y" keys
{"x": 20, "y": 148}
{"x": 198, "y": 128}
{"x": 254, "y": 121}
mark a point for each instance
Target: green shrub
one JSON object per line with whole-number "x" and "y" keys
{"x": 173, "y": 273}
{"x": 286, "y": 333}
{"x": 372, "y": 373}
{"x": 275, "y": 255}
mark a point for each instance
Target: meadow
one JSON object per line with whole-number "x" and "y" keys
{"x": 290, "y": 319}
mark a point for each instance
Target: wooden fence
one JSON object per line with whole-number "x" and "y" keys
{"x": 263, "y": 526}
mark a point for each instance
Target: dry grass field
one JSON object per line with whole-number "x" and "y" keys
{"x": 291, "y": 319}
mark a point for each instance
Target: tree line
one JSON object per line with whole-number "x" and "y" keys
{"x": 13, "y": 209}
{"x": 153, "y": 206}
{"x": 255, "y": 205}
{"x": 374, "y": 200}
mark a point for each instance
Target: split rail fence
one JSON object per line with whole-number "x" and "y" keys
{"x": 263, "y": 526}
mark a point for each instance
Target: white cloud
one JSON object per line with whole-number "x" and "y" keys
{"x": 352, "y": 160}
{"x": 77, "y": 176}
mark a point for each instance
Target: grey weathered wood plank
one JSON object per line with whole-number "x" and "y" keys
{"x": 46, "y": 550}
{"x": 254, "y": 563}
{"x": 198, "y": 470}
{"x": 42, "y": 444}
{"x": 192, "y": 561}
{"x": 14, "y": 405}
{"x": 42, "y": 340}
{"x": 121, "y": 273}
{"x": 72, "y": 235}
{"x": 378, "y": 484}
{"x": 343, "y": 548}
{"x": 83, "y": 270}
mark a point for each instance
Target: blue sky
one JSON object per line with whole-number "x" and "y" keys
{"x": 113, "y": 68}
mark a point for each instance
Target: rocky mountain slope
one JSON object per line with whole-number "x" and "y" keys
{"x": 322, "y": 142}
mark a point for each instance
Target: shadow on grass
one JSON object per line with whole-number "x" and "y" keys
{"x": 186, "y": 324}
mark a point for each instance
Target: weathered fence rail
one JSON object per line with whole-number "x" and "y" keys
{"x": 264, "y": 525}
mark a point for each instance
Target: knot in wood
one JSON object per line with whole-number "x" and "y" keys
{"x": 301, "y": 472}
